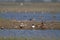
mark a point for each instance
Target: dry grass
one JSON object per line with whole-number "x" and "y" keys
{"x": 30, "y": 7}
{"x": 27, "y": 38}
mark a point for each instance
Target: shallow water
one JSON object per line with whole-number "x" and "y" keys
{"x": 30, "y": 33}
{"x": 38, "y": 16}
{"x": 29, "y": 0}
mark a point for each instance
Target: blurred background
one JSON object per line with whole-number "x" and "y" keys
{"x": 29, "y": 0}
{"x": 12, "y": 12}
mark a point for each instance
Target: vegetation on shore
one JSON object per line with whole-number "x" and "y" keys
{"x": 27, "y": 38}
{"x": 30, "y": 7}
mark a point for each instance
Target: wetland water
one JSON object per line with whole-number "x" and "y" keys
{"x": 48, "y": 34}
{"x": 38, "y": 16}
{"x": 51, "y": 34}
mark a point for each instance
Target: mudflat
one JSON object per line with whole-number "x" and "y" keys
{"x": 13, "y": 24}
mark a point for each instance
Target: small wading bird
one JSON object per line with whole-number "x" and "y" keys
{"x": 2, "y": 28}
{"x": 33, "y": 26}
{"x": 43, "y": 26}
{"x": 22, "y": 25}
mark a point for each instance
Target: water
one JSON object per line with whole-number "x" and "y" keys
{"x": 29, "y": 0}
{"x": 38, "y": 16}
{"x": 30, "y": 33}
